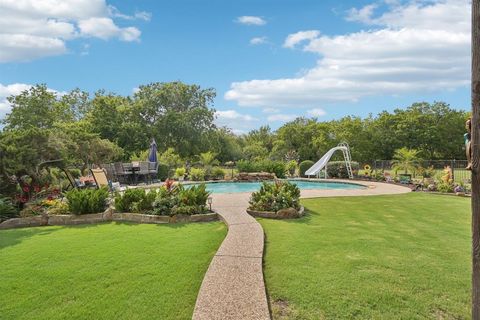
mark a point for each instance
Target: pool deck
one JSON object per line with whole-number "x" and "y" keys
{"x": 234, "y": 287}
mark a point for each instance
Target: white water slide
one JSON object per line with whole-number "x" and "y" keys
{"x": 322, "y": 163}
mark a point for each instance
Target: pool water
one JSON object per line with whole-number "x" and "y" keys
{"x": 236, "y": 187}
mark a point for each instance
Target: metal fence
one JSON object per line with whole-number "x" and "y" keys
{"x": 459, "y": 173}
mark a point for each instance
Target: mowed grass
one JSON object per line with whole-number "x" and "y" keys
{"x": 105, "y": 271}
{"x": 383, "y": 257}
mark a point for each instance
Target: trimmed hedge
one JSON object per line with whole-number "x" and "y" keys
{"x": 337, "y": 169}
{"x": 270, "y": 166}
{"x": 162, "y": 174}
{"x": 304, "y": 166}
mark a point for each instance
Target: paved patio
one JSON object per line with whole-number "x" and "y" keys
{"x": 233, "y": 287}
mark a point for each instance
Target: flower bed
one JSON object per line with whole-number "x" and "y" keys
{"x": 170, "y": 204}
{"x": 278, "y": 200}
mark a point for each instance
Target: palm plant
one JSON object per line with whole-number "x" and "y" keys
{"x": 207, "y": 160}
{"x": 406, "y": 159}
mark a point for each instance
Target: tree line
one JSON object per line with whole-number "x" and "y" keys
{"x": 88, "y": 129}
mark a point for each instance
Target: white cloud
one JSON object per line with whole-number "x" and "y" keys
{"x": 298, "y": 37}
{"x": 258, "y": 40}
{"x": 420, "y": 46}
{"x": 317, "y": 112}
{"x": 105, "y": 28}
{"x": 233, "y": 115}
{"x": 139, "y": 15}
{"x": 32, "y": 29}
{"x": 281, "y": 117}
{"x": 363, "y": 15}
{"x": 9, "y": 90}
{"x": 270, "y": 110}
{"x": 240, "y": 123}
{"x": 251, "y": 20}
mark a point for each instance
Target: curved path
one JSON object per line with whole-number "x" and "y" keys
{"x": 233, "y": 287}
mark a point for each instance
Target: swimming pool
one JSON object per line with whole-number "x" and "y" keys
{"x": 236, "y": 187}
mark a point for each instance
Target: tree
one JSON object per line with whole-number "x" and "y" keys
{"x": 406, "y": 159}
{"x": 33, "y": 108}
{"x": 179, "y": 113}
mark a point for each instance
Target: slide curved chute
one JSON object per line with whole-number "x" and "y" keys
{"x": 322, "y": 163}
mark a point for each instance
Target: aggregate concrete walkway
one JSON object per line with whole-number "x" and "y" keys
{"x": 233, "y": 287}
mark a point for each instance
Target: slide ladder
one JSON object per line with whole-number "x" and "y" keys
{"x": 322, "y": 163}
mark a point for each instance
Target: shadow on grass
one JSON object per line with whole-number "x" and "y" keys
{"x": 13, "y": 237}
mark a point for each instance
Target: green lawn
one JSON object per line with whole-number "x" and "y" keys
{"x": 105, "y": 271}
{"x": 384, "y": 257}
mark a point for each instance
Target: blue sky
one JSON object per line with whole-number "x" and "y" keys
{"x": 269, "y": 61}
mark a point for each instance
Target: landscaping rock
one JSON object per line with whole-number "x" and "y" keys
{"x": 287, "y": 213}
{"x": 179, "y": 218}
{"x": 35, "y": 221}
{"x": 255, "y": 176}
{"x": 204, "y": 217}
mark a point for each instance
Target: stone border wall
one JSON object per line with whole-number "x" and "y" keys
{"x": 108, "y": 215}
{"x": 289, "y": 213}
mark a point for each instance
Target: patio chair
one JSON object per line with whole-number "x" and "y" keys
{"x": 100, "y": 177}
{"x": 152, "y": 170}
{"x": 110, "y": 169}
{"x": 122, "y": 172}
{"x": 74, "y": 183}
{"x": 144, "y": 170}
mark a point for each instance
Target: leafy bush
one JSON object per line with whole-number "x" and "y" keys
{"x": 446, "y": 187}
{"x": 188, "y": 210}
{"x": 7, "y": 209}
{"x": 87, "y": 200}
{"x": 193, "y": 195}
{"x": 304, "y": 166}
{"x": 291, "y": 167}
{"x": 276, "y": 196}
{"x": 217, "y": 173}
{"x": 197, "y": 174}
{"x": 276, "y": 167}
{"x": 56, "y": 206}
{"x": 162, "y": 173}
{"x": 180, "y": 172}
{"x": 181, "y": 200}
{"x": 338, "y": 169}
{"x": 135, "y": 200}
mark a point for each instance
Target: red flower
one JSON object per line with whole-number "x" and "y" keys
{"x": 26, "y": 189}
{"x": 23, "y": 199}
{"x": 37, "y": 188}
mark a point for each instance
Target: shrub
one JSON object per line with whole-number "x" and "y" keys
{"x": 87, "y": 200}
{"x": 181, "y": 200}
{"x": 304, "y": 166}
{"x": 193, "y": 195}
{"x": 162, "y": 173}
{"x": 338, "y": 169}
{"x": 246, "y": 166}
{"x": 7, "y": 209}
{"x": 56, "y": 206}
{"x": 275, "y": 196}
{"x": 276, "y": 167}
{"x": 445, "y": 187}
{"x": 189, "y": 210}
{"x": 197, "y": 174}
{"x": 218, "y": 173}
{"x": 291, "y": 167}
{"x": 135, "y": 200}
{"x": 180, "y": 172}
